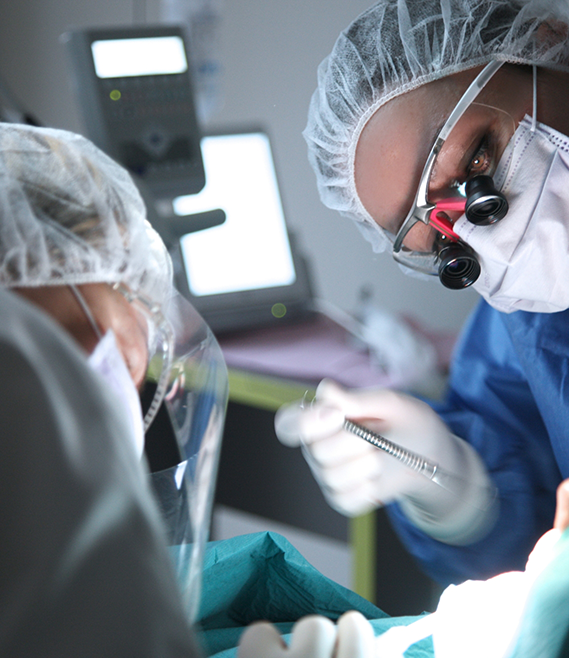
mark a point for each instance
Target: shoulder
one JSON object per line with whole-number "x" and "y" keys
{"x": 491, "y": 335}
{"x": 485, "y": 336}
{"x": 543, "y": 330}
{"x": 487, "y": 325}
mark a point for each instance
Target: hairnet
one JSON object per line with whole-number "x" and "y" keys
{"x": 398, "y": 45}
{"x": 69, "y": 214}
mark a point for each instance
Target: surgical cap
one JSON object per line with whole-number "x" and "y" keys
{"x": 399, "y": 45}
{"x": 69, "y": 214}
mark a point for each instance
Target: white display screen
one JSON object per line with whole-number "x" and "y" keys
{"x": 122, "y": 58}
{"x": 250, "y": 250}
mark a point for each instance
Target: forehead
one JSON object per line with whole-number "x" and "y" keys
{"x": 394, "y": 146}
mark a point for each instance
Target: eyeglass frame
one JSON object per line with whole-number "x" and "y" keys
{"x": 167, "y": 345}
{"x": 422, "y": 208}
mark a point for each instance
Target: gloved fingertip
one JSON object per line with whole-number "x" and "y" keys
{"x": 328, "y": 388}
{"x": 295, "y": 424}
{"x": 354, "y": 621}
{"x": 313, "y": 636}
{"x": 261, "y": 640}
{"x": 287, "y": 424}
{"x": 322, "y": 420}
{"x": 350, "y": 401}
{"x": 353, "y": 503}
{"x": 355, "y": 636}
{"x": 352, "y": 617}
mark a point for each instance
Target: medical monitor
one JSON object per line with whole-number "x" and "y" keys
{"x": 135, "y": 91}
{"x": 244, "y": 272}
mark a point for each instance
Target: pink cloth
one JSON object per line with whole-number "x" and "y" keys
{"x": 313, "y": 349}
{"x": 305, "y": 351}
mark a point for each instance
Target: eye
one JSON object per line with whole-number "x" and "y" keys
{"x": 481, "y": 162}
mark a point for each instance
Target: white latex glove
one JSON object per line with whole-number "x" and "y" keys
{"x": 356, "y": 477}
{"x": 312, "y": 637}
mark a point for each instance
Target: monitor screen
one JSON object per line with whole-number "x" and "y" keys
{"x": 123, "y": 58}
{"x": 250, "y": 250}
{"x": 245, "y": 272}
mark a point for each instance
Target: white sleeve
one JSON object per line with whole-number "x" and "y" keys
{"x": 83, "y": 567}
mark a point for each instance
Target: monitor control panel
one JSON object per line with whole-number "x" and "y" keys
{"x": 135, "y": 90}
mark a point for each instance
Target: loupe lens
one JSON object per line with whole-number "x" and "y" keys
{"x": 458, "y": 266}
{"x": 484, "y": 204}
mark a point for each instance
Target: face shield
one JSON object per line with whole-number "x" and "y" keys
{"x": 426, "y": 241}
{"x": 188, "y": 386}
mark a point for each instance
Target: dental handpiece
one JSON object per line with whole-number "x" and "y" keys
{"x": 431, "y": 470}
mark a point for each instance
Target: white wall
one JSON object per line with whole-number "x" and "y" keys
{"x": 270, "y": 51}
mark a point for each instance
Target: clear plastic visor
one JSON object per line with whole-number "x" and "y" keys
{"x": 195, "y": 401}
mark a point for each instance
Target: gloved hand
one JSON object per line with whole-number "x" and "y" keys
{"x": 312, "y": 637}
{"x": 356, "y": 477}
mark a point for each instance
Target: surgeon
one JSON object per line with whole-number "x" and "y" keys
{"x": 440, "y": 127}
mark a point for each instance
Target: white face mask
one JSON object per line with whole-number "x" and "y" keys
{"x": 107, "y": 360}
{"x": 525, "y": 257}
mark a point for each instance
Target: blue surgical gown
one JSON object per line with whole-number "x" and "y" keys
{"x": 508, "y": 397}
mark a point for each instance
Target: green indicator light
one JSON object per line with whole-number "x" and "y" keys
{"x": 279, "y": 310}
{"x": 115, "y": 95}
